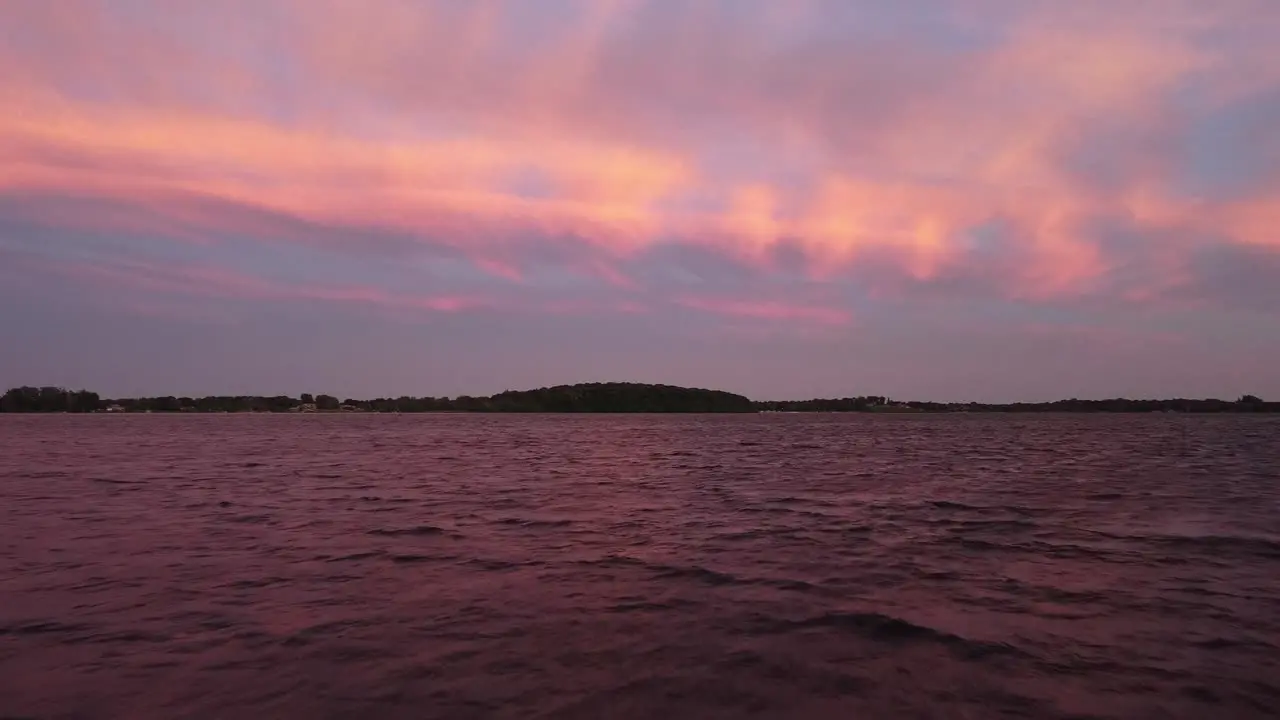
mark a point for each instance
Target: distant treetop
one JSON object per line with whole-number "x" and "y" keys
{"x": 617, "y": 397}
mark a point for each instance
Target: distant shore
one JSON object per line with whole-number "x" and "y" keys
{"x": 588, "y": 398}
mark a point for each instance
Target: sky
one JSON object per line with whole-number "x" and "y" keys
{"x": 954, "y": 200}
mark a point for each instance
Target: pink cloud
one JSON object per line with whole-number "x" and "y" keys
{"x": 187, "y": 281}
{"x": 768, "y": 310}
{"x": 413, "y": 118}
{"x": 501, "y": 269}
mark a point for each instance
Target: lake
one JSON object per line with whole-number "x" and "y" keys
{"x": 774, "y": 566}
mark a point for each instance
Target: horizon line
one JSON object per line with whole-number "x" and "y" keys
{"x": 889, "y": 399}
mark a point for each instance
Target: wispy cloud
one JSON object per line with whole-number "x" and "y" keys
{"x": 142, "y": 278}
{"x": 768, "y": 310}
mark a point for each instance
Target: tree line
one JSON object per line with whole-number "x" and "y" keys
{"x": 585, "y": 398}
{"x": 1246, "y": 403}
{"x": 582, "y": 398}
{"x": 49, "y": 399}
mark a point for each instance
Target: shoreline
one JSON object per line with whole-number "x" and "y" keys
{"x": 594, "y": 398}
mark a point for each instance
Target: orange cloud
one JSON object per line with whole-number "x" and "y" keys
{"x": 437, "y": 119}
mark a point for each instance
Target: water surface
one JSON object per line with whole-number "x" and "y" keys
{"x": 778, "y": 566}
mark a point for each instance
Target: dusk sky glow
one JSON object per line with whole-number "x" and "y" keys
{"x": 938, "y": 199}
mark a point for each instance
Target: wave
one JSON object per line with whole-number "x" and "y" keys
{"x": 894, "y": 630}
{"x": 698, "y": 573}
{"x": 1007, "y": 524}
{"x": 695, "y": 572}
{"x": 250, "y": 519}
{"x": 1264, "y": 547}
{"x": 1036, "y": 547}
{"x": 494, "y": 565}
{"x": 417, "y": 530}
{"x": 410, "y": 558}
{"x": 950, "y": 505}
{"x": 649, "y": 606}
{"x": 42, "y": 627}
{"x": 1024, "y": 510}
{"x": 522, "y": 522}
{"x": 352, "y": 557}
{"x": 1244, "y": 544}
{"x": 44, "y": 474}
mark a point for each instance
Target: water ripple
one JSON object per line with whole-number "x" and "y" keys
{"x": 814, "y": 566}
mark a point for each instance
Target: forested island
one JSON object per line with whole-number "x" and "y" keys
{"x": 585, "y": 398}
